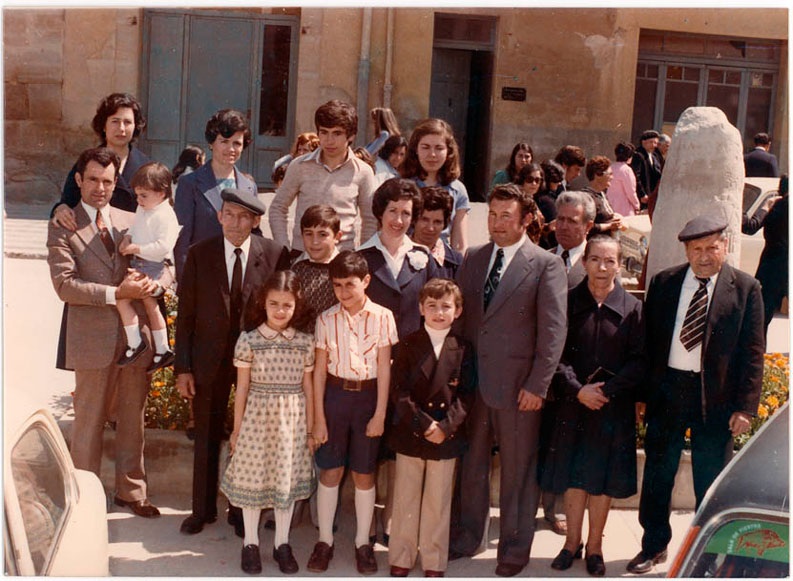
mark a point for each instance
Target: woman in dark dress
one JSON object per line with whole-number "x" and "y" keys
{"x": 592, "y": 454}
{"x": 598, "y": 172}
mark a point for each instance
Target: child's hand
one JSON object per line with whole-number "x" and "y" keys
{"x": 375, "y": 426}
{"x": 434, "y": 434}
{"x": 311, "y": 443}
{"x": 233, "y": 440}
{"x": 320, "y": 433}
{"x": 129, "y": 248}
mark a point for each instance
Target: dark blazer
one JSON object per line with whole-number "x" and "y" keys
{"x": 203, "y": 325}
{"x": 576, "y": 274}
{"x": 123, "y": 197}
{"x": 400, "y": 295}
{"x": 760, "y": 164}
{"x": 647, "y": 170}
{"x": 196, "y": 204}
{"x": 734, "y": 344}
{"x": 451, "y": 262}
{"x": 426, "y": 389}
{"x": 520, "y": 338}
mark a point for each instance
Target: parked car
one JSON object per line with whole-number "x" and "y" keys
{"x": 742, "y": 528}
{"x": 55, "y": 515}
{"x": 635, "y": 239}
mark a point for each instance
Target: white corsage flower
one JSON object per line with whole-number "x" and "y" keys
{"x": 418, "y": 260}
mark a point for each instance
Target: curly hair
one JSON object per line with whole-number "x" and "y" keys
{"x": 227, "y": 122}
{"x": 393, "y": 190}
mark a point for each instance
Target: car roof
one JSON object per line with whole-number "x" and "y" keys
{"x": 758, "y": 476}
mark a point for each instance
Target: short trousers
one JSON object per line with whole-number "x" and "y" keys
{"x": 159, "y": 272}
{"x": 346, "y": 414}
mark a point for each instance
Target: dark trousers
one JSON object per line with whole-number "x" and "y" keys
{"x": 209, "y": 409}
{"x": 677, "y": 406}
{"x": 517, "y": 434}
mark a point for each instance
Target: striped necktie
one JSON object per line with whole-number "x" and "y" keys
{"x": 694, "y": 324}
{"x": 104, "y": 234}
{"x": 494, "y": 277}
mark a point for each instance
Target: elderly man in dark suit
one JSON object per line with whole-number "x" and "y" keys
{"x": 515, "y": 297}
{"x": 89, "y": 274}
{"x": 759, "y": 163}
{"x": 705, "y": 345}
{"x": 646, "y": 167}
{"x": 219, "y": 276}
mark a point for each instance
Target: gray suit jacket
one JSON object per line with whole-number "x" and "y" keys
{"x": 519, "y": 340}
{"x": 576, "y": 274}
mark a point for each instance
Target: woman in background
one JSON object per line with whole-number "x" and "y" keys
{"x": 521, "y": 156}
{"x": 385, "y": 126}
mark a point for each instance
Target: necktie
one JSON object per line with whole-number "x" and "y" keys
{"x": 694, "y": 324}
{"x": 236, "y": 291}
{"x": 565, "y": 258}
{"x": 494, "y": 277}
{"x": 104, "y": 234}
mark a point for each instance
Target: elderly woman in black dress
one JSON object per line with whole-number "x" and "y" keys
{"x": 592, "y": 452}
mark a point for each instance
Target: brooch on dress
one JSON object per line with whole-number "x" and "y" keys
{"x": 417, "y": 259}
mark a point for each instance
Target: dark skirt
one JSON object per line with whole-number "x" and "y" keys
{"x": 592, "y": 450}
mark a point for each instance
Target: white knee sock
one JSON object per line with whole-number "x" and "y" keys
{"x": 160, "y": 337}
{"x": 283, "y": 520}
{"x": 364, "y": 509}
{"x": 327, "y": 498}
{"x": 133, "y": 335}
{"x": 250, "y": 518}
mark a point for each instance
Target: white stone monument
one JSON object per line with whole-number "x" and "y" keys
{"x": 703, "y": 175}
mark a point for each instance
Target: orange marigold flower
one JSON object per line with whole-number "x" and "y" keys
{"x": 762, "y": 411}
{"x": 688, "y": 432}
{"x": 155, "y": 393}
{"x": 772, "y": 401}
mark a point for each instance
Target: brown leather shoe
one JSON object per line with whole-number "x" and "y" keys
{"x": 320, "y": 558}
{"x": 399, "y": 571}
{"x": 508, "y": 569}
{"x": 285, "y": 559}
{"x": 251, "y": 559}
{"x": 364, "y": 560}
{"x": 140, "y": 507}
{"x": 431, "y": 573}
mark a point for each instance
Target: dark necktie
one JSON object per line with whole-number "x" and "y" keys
{"x": 565, "y": 258}
{"x": 694, "y": 324}
{"x": 104, "y": 234}
{"x": 236, "y": 291}
{"x": 494, "y": 277}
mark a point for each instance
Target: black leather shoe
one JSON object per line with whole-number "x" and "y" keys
{"x": 130, "y": 355}
{"x": 644, "y": 563}
{"x": 251, "y": 560}
{"x": 140, "y": 507}
{"x": 285, "y": 559}
{"x": 194, "y": 524}
{"x": 508, "y": 569}
{"x": 595, "y": 565}
{"x": 161, "y": 360}
{"x": 564, "y": 560}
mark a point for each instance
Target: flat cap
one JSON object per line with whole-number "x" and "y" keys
{"x": 702, "y": 226}
{"x": 245, "y": 199}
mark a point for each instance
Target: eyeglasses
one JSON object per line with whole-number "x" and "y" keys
{"x": 533, "y": 180}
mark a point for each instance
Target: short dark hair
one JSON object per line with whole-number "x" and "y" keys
{"x": 284, "y": 281}
{"x": 512, "y": 171}
{"x": 437, "y": 288}
{"x": 101, "y": 155}
{"x": 762, "y": 139}
{"x": 649, "y": 134}
{"x": 391, "y": 145}
{"x": 393, "y": 190}
{"x": 596, "y": 166}
{"x": 450, "y": 170}
{"x": 603, "y": 239}
{"x": 527, "y": 170}
{"x": 437, "y": 198}
{"x": 109, "y": 105}
{"x": 153, "y": 176}
{"x": 553, "y": 172}
{"x": 571, "y": 155}
{"x": 190, "y": 157}
{"x": 320, "y": 215}
{"x": 513, "y": 192}
{"x": 279, "y": 173}
{"x": 348, "y": 263}
{"x": 337, "y": 113}
{"x": 623, "y": 151}
{"x": 227, "y": 122}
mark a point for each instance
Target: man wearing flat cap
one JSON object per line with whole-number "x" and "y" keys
{"x": 705, "y": 346}
{"x": 219, "y": 276}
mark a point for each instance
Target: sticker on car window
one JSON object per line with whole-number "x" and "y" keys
{"x": 745, "y": 538}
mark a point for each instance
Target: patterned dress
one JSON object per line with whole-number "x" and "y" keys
{"x": 271, "y": 465}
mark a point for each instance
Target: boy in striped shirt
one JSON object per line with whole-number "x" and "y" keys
{"x": 351, "y": 380}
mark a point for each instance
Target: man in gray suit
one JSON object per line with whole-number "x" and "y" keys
{"x": 575, "y": 216}
{"x": 515, "y": 315}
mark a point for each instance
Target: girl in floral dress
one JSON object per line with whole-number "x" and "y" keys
{"x": 271, "y": 447}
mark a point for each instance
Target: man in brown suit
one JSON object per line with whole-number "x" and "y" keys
{"x": 89, "y": 274}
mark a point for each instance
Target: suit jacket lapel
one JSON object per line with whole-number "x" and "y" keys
{"x": 256, "y": 265}
{"x": 407, "y": 273}
{"x": 221, "y": 274}
{"x": 381, "y": 270}
{"x": 85, "y": 230}
{"x": 721, "y": 302}
{"x": 479, "y": 274}
{"x": 518, "y": 269}
{"x": 424, "y": 345}
{"x": 448, "y": 363}
{"x": 670, "y": 302}
{"x": 210, "y": 186}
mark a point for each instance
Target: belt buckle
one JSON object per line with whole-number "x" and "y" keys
{"x": 351, "y": 385}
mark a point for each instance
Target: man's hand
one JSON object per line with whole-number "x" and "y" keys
{"x": 769, "y": 203}
{"x": 320, "y": 432}
{"x": 591, "y": 395}
{"x": 135, "y": 286}
{"x": 185, "y": 383}
{"x": 375, "y": 426}
{"x": 528, "y": 402}
{"x": 63, "y": 216}
{"x": 641, "y": 408}
{"x": 739, "y": 423}
{"x": 434, "y": 434}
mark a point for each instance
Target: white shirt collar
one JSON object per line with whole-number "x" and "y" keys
{"x": 394, "y": 262}
{"x": 691, "y": 280}
{"x": 316, "y": 157}
{"x": 575, "y": 253}
{"x": 437, "y": 337}
{"x": 91, "y": 211}
{"x": 269, "y": 333}
{"x": 229, "y": 250}
{"x": 304, "y": 256}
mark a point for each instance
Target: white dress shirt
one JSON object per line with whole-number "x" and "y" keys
{"x": 574, "y": 255}
{"x": 394, "y": 261}
{"x": 509, "y": 254}
{"x": 680, "y": 357}
{"x": 231, "y": 257}
{"x": 110, "y": 291}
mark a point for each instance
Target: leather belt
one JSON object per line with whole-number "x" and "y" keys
{"x": 352, "y": 384}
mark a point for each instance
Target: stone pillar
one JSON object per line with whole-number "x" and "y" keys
{"x": 703, "y": 175}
